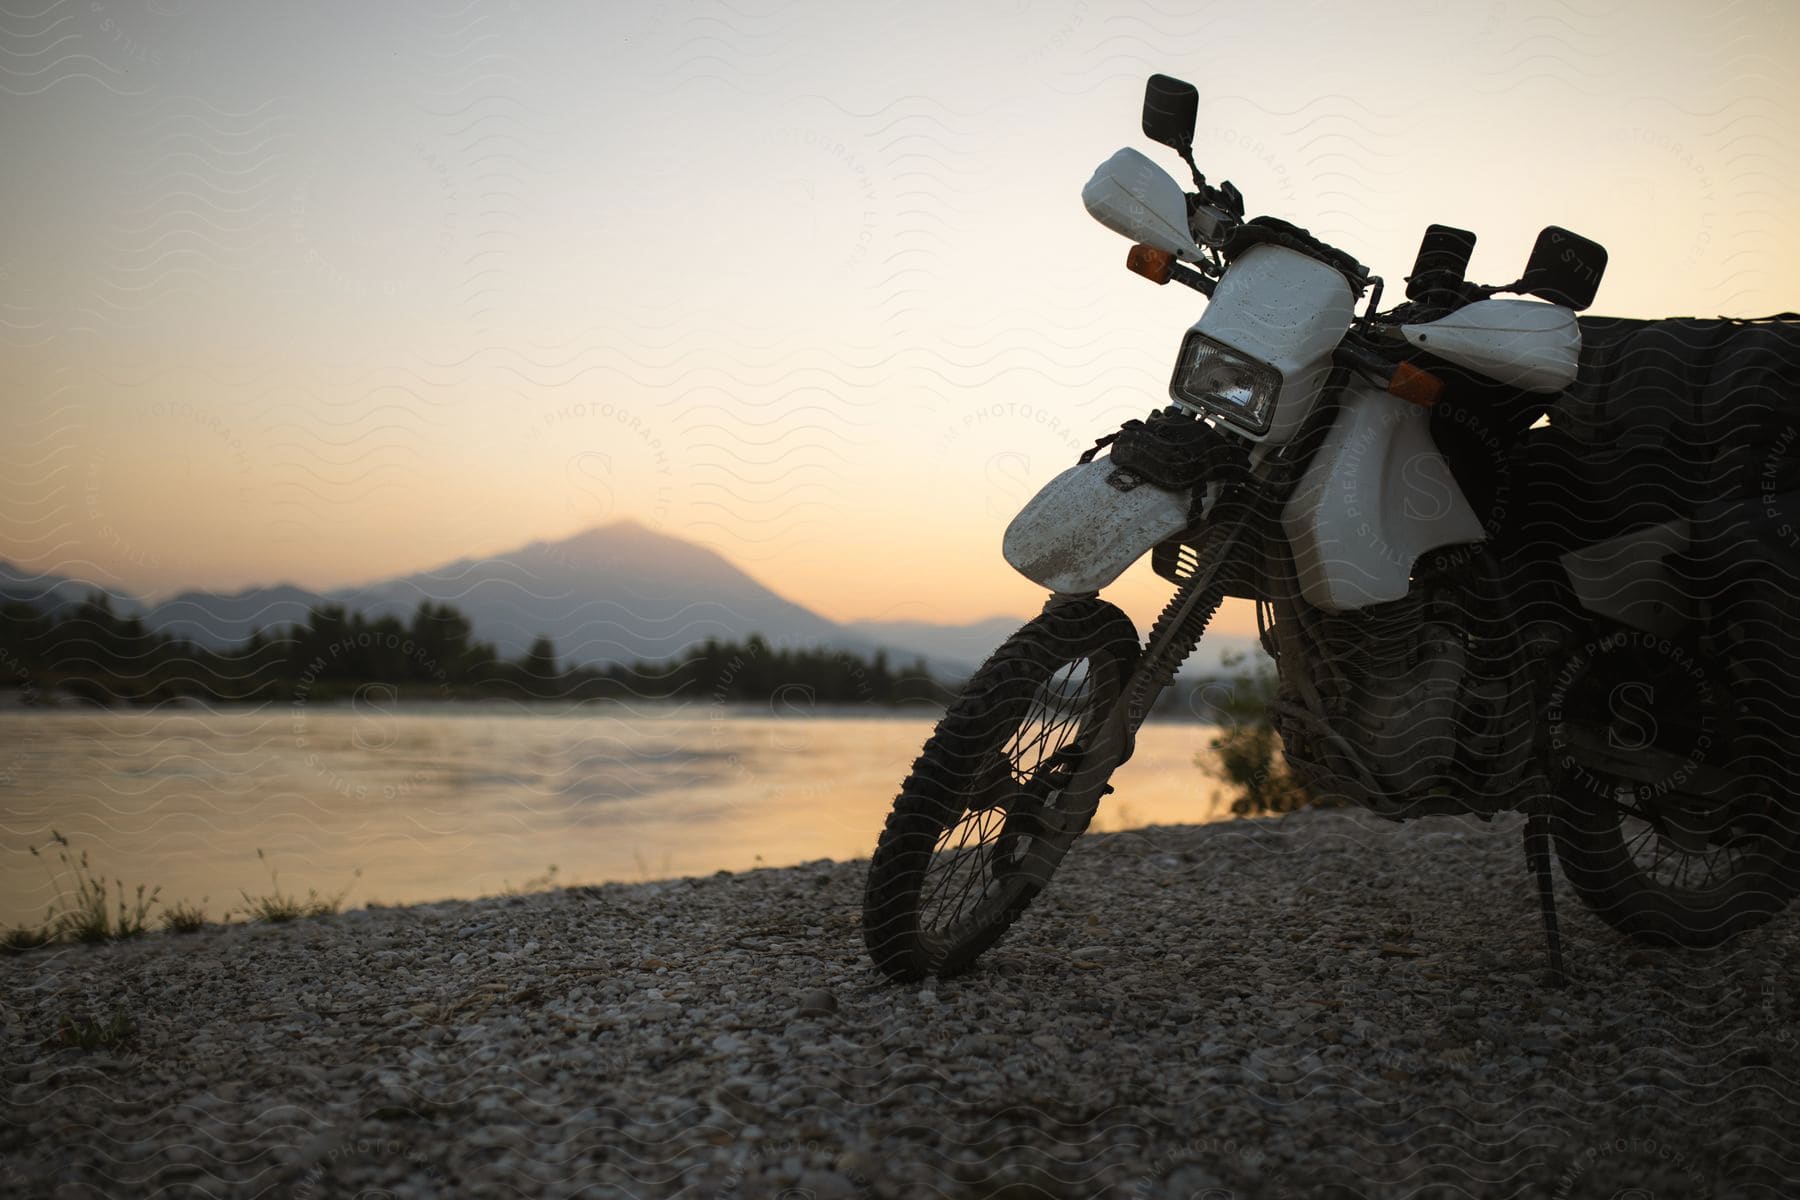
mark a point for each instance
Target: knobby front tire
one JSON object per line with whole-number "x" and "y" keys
{"x": 948, "y": 878}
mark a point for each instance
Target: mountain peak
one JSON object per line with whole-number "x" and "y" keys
{"x": 610, "y": 593}
{"x": 624, "y": 543}
{"x": 623, "y": 528}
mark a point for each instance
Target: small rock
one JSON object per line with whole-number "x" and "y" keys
{"x": 817, "y": 1002}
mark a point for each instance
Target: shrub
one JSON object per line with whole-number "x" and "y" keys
{"x": 1246, "y": 752}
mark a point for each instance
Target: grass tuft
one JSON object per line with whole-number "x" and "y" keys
{"x": 646, "y": 875}
{"x": 87, "y": 910}
{"x": 537, "y": 883}
{"x": 182, "y": 917}
{"x": 278, "y": 906}
{"x": 91, "y": 1033}
{"x": 84, "y": 909}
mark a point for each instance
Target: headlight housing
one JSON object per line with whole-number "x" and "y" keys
{"x": 1216, "y": 379}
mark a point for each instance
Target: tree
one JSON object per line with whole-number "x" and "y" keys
{"x": 539, "y": 664}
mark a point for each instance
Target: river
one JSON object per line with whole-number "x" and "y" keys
{"x": 461, "y": 800}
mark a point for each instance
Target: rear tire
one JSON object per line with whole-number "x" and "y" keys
{"x": 1665, "y": 869}
{"x": 946, "y": 881}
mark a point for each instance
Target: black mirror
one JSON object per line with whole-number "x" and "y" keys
{"x": 1443, "y": 261}
{"x": 1170, "y": 108}
{"x": 1565, "y": 268}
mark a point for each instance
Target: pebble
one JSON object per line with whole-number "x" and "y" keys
{"x": 817, "y": 1002}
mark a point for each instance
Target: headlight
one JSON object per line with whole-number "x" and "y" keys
{"x": 1217, "y": 379}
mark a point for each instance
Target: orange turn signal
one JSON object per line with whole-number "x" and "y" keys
{"x": 1158, "y": 266}
{"x": 1415, "y": 386}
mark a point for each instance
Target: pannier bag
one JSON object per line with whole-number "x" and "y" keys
{"x": 1667, "y": 416}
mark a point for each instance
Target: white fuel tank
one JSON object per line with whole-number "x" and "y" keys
{"x": 1523, "y": 343}
{"x": 1375, "y": 497}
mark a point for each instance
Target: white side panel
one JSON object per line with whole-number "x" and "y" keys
{"x": 1628, "y": 578}
{"x": 1080, "y": 532}
{"x": 1280, "y": 307}
{"x": 1375, "y": 497}
{"x": 1524, "y": 343}
{"x": 1131, "y": 195}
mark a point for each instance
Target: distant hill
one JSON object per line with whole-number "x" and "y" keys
{"x": 49, "y": 593}
{"x": 212, "y": 619}
{"x": 970, "y": 644}
{"x": 617, "y": 593}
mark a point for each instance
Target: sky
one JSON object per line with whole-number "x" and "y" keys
{"x": 327, "y": 292}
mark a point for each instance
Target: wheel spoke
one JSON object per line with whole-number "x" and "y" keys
{"x": 1043, "y": 726}
{"x": 947, "y": 870}
{"x": 961, "y": 877}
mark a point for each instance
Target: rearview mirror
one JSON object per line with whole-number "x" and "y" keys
{"x": 1443, "y": 261}
{"x": 1170, "y": 108}
{"x": 1565, "y": 268}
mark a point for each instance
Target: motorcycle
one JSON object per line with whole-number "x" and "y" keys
{"x": 1504, "y": 558}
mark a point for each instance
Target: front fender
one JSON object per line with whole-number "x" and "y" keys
{"x": 1090, "y": 523}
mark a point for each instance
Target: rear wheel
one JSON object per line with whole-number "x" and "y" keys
{"x": 967, "y": 845}
{"x": 1675, "y": 778}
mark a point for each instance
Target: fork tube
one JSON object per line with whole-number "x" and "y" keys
{"x": 1180, "y": 626}
{"x": 1176, "y": 632}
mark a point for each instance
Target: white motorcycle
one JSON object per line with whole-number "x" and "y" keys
{"x": 1499, "y": 563}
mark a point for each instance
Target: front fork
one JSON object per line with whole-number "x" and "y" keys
{"x": 1172, "y": 639}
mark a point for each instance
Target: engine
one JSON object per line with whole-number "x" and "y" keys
{"x": 1408, "y": 708}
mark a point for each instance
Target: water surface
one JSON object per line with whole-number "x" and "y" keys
{"x": 468, "y": 799}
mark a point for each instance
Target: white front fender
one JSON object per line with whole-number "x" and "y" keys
{"x": 1090, "y": 523}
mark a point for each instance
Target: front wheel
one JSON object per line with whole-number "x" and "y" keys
{"x": 968, "y": 843}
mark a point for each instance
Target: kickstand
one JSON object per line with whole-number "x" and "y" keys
{"x": 1537, "y": 857}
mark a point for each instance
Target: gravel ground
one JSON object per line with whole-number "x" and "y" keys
{"x": 1325, "y": 1005}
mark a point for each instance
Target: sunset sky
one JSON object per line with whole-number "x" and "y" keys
{"x": 328, "y": 292}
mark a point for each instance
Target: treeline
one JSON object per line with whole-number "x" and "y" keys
{"x": 91, "y": 652}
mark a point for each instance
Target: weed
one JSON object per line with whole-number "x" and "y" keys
{"x": 537, "y": 883}
{"x": 182, "y": 917}
{"x": 91, "y": 1033}
{"x": 280, "y": 906}
{"x": 82, "y": 910}
{"x": 23, "y": 937}
{"x": 646, "y": 875}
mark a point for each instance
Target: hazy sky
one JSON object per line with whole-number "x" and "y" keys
{"x": 324, "y": 292}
